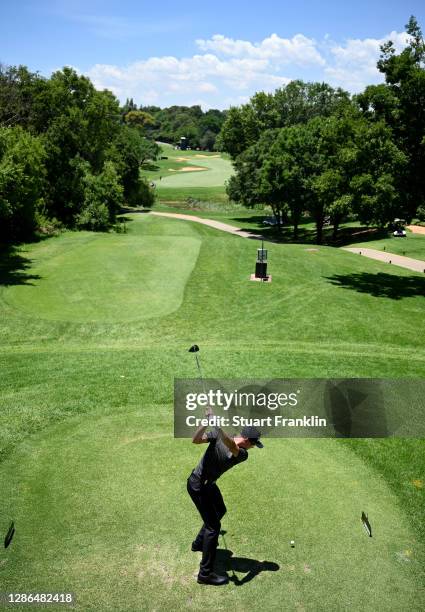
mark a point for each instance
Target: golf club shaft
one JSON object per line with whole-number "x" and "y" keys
{"x": 225, "y": 546}
{"x": 200, "y": 372}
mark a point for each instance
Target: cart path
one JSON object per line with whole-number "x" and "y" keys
{"x": 398, "y": 260}
{"x": 224, "y": 227}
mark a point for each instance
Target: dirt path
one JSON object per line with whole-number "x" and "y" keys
{"x": 416, "y": 229}
{"x": 398, "y": 260}
{"x": 224, "y": 227}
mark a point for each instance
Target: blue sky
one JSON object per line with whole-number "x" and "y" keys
{"x": 211, "y": 53}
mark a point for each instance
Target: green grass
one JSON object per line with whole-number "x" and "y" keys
{"x": 179, "y": 195}
{"x": 411, "y": 246}
{"x": 90, "y": 470}
{"x": 173, "y": 184}
{"x": 70, "y": 286}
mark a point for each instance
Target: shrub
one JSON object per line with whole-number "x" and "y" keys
{"x": 103, "y": 197}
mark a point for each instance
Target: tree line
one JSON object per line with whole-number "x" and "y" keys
{"x": 312, "y": 149}
{"x": 169, "y": 124}
{"x": 69, "y": 155}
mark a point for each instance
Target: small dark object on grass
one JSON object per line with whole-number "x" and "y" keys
{"x": 9, "y": 535}
{"x": 366, "y": 524}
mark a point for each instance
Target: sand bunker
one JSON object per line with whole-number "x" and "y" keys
{"x": 187, "y": 169}
{"x": 416, "y": 229}
{"x": 201, "y": 155}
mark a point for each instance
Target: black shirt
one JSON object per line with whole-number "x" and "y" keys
{"x": 217, "y": 459}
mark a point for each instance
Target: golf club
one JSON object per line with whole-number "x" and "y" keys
{"x": 235, "y": 578}
{"x": 195, "y": 350}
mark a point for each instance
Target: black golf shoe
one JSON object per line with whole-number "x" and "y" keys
{"x": 213, "y": 579}
{"x": 196, "y": 547}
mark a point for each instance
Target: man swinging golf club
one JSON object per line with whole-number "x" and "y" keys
{"x": 223, "y": 453}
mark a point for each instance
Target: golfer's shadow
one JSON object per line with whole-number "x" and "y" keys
{"x": 226, "y": 562}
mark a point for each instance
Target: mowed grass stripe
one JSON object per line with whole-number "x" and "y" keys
{"x": 355, "y": 350}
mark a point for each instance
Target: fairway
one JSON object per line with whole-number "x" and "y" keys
{"x": 90, "y": 470}
{"x": 184, "y": 174}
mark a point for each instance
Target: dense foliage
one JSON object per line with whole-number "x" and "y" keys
{"x": 22, "y": 182}
{"x": 66, "y": 153}
{"x": 308, "y": 148}
{"x": 199, "y": 128}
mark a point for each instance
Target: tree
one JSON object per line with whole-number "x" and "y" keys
{"x": 19, "y": 91}
{"x": 401, "y": 104}
{"x": 329, "y": 166}
{"x": 378, "y": 172}
{"x": 170, "y": 124}
{"x": 102, "y": 197}
{"x": 81, "y": 129}
{"x": 128, "y": 152}
{"x": 245, "y": 185}
{"x": 207, "y": 140}
{"x": 299, "y": 102}
{"x": 283, "y": 174}
{"x": 139, "y": 119}
{"x": 82, "y": 125}
{"x": 22, "y": 183}
{"x": 293, "y": 104}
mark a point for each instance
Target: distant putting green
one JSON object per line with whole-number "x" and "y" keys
{"x": 217, "y": 171}
{"x": 89, "y": 468}
{"x": 182, "y": 171}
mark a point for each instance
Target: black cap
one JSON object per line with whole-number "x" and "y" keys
{"x": 253, "y": 435}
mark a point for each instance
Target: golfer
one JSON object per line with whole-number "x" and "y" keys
{"x": 222, "y": 454}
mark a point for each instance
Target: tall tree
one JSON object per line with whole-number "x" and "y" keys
{"x": 295, "y": 103}
{"x": 22, "y": 182}
{"x": 401, "y": 104}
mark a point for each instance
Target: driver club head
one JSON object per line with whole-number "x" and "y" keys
{"x": 194, "y": 348}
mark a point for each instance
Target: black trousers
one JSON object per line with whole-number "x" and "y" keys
{"x": 209, "y": 502}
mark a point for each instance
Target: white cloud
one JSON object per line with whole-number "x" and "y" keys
{"x": 205, "y": 74}
{"x": 354, "y": 63}
{"x": 298, "y": 50}
{"x": 229, "y": 71}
